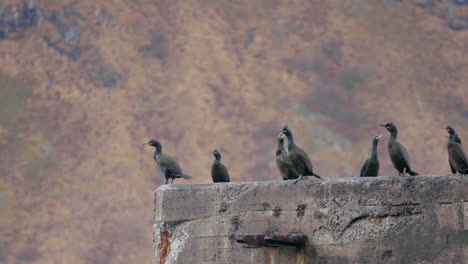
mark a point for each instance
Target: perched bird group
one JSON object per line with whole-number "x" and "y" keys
{"x": 295, "y": 164}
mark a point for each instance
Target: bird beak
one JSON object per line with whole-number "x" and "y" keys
{"x": 145, "y": 144}
{"x": 378, "y": 137}
{"x": 382, "y": 125}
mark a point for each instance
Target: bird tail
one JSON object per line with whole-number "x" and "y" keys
{"x": 317, "y": 176}
{"x": 412, "y": 173}
{"x": 185, "y": 176}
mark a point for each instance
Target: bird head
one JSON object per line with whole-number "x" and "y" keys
{"x": 376, "y": 138}
{"x": 285, "y": 130}
{"x": 281, "y": 137}
{"x": 450, "y": 130}
{"x": 389, "y": 126}
{"x": 216, "y": 153}
{"x": 153, "y": 143}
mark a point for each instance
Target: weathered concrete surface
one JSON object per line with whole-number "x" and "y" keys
{"x": 420, "y": 219}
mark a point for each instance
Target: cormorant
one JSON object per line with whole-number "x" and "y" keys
{"x": 398, "y": 153}
{"x": 451, "y": 131}
{"x": 169, "y": 166}
{"x": 298, "y": 156}
{"x": 457, "y": 156}
{"x": 283, "y": 162}
{"x": 370, "y": 168}
{"x": 219, "y": 172}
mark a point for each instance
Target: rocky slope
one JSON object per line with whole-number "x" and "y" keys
{"x": 84, "y": 83}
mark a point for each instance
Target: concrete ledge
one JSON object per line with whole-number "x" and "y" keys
{"x": 421, "y": 219}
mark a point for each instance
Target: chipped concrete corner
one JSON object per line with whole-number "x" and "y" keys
{"x": 421, "y": 219}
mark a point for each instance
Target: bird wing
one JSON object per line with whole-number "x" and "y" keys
{"x": 308, "y": 168}
{"x": 227, "y": 173}
{"x": 167, "y": 162}
{"x": 405, "y": 156}
{"x": 459, "y": 158}
{"x": 363, "y": 168}
{"x": 454, "y": 171}
{"x": 285, "y": 166}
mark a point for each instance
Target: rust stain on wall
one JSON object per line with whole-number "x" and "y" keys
{"x": 271, "y": 252}
{"x": 377, "y": 221}
{"x": 164, "y": 247}
{"x": 300, "y": 257}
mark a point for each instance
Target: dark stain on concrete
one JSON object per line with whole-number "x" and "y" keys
{"x": 300, "y": 209}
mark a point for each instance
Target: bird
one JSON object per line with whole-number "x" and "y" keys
{"x": 219, "y": 172}
{"x": 370, "y": 168}
{"x": 298, "y": 156}
{"x": 451, "y": 131}
{"x": 169, "y": 166}
{"x": 457, "y": 157}
{"x": 398, "y": 153}
{"x": 283, "y": 162}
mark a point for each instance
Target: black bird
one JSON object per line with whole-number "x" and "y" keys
{"x": 219, "y": 172}
{"x": 370, "y": 168}
{"x": 457, "y": 156}
{"x": 451, "y": 131}
{"x": 398, "y": 153}
{"x": 283, "y": 162}
{"x": 298, "y": 156}
{"x": 169, "y": 166}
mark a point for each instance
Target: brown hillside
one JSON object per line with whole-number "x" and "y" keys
{"x": 84, "y": 83}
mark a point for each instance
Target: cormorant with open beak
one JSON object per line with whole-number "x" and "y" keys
{"x": 371, "y": 166}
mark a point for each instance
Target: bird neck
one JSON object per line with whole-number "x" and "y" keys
{"x": 393, "y": 135}
{"x": 374, "y": 150}
{"x": 290, "y": 140}
{"x": 280, "y": 148}
{"x": 452, "y": 137}
{"x": 158, "y": 150}
{"x": 217, "y": 158}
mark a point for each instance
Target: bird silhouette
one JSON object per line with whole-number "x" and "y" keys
{"x": 169, "y": 166}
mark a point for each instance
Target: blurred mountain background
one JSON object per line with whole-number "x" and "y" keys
{"x": 84, "y": 83}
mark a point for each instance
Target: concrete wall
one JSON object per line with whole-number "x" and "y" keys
{"x": 421, "y": 219}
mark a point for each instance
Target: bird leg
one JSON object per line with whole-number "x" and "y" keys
{"x": 167, "y": 180}
{"x": 299, "y": 179}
